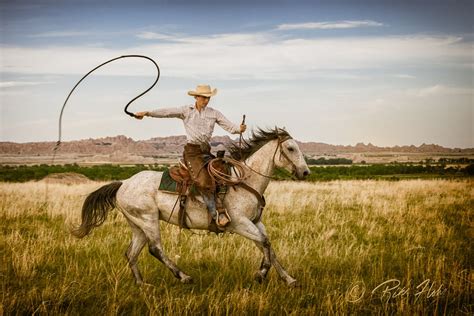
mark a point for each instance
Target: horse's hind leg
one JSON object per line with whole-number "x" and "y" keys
{"x": 136, "y": 246}
{"x": 156, "y": 249}
{"x": 281, "y": 271}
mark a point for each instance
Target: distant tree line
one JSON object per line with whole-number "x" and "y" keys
{"x": 100, "y": 172}
{"x": 381, "y": 171}
{"x": 455, "y": 160}
{"x": 323, "y": 173}
{"x": 329, "y": 161}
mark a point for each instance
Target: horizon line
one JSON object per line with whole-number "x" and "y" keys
{"x": 303, "y": 142}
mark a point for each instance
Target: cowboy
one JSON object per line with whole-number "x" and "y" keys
{"x": 199, "y": 121}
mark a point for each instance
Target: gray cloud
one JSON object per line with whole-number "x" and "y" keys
{"x": 13, "y": 84}
{"x": 59, "y": 34}
{"x": 329, "y": 25}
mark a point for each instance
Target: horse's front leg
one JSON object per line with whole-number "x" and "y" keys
{"x": 247, "y": 229}
{"x": 281, "y": 271}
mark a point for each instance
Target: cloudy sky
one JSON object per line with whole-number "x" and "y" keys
{"x": 388, "y": 73}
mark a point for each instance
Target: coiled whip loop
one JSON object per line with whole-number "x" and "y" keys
{"x": 126, "y": 107}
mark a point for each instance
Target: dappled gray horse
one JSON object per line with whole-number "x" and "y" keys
{"x": 143, "y": 205}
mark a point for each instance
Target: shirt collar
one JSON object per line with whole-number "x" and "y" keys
{"x": 202, "y": 111}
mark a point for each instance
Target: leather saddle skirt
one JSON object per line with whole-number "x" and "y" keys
{"x": 180, "y": 173}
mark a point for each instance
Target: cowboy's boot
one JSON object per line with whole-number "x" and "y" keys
{"x": 223, "y": 216}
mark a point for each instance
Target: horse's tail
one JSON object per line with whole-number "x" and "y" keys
{"x": 96, "y": 207}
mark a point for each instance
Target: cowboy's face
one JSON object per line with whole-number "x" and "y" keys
{"x": 201, "y": 101}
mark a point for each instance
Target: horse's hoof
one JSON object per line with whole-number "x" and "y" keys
{"x": 259, "y": 277}
{"x": 293, "y": 283}
{"x": 187, "y": 280}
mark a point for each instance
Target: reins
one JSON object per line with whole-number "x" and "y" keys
{"x": 239, "y": 166}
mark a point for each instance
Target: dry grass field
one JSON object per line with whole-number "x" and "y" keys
{"x": 356, "y": 247}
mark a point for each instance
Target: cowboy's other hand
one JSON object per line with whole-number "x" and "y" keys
{"x": 243, "y": 127}
{"x": 140, "y": 115}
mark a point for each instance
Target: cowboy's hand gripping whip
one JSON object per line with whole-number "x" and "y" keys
{"x": 126, "y": 107}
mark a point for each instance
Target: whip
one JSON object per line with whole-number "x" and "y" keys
{"x": 126, "y": 107}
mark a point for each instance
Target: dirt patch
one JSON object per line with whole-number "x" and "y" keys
{"x": 66, "y": 178}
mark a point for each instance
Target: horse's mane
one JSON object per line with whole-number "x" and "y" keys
{"x": 259, "y": 138}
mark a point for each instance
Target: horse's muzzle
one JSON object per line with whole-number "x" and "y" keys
{"x": 301, "y": 174}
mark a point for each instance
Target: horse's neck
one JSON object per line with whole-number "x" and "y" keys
{"x": 262, "y": 162}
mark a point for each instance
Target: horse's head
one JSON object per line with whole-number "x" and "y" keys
{"x": 286, "y": 154}
{"x": 290, "y": 157}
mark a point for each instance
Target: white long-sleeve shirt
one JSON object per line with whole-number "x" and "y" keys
{"x": 199, "y": 126}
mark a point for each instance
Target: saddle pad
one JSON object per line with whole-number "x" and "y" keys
{"x": 167, "y": 183}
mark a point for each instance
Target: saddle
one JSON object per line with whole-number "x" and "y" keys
{"x": 178, "y": 180}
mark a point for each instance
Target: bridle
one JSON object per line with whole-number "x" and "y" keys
{"x": 281, "y": 140}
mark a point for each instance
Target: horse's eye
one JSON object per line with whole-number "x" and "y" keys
{"x": 291, "y": 149}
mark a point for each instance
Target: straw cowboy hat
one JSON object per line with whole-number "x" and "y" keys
{"x": 203, "y": 90}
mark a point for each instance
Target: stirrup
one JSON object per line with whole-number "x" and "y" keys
{"x": 223, "y": 214}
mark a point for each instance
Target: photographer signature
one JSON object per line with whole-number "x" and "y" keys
{"x": 393, "y": 289}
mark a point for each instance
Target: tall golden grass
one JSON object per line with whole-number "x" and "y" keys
{"x": 355, "y": 247}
